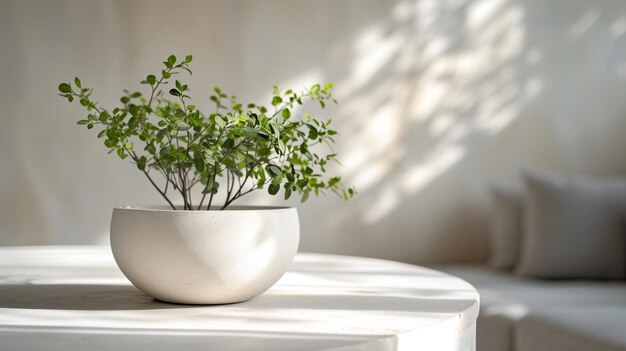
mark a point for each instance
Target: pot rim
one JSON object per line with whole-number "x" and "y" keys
{"x": 214, "y": 209}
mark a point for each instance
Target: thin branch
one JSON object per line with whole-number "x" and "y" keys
{"x": 201, "y": 202}
{"x": 159, "y": 190}
{"x": 208, "y": 207}
{"x": 236, "y": 197}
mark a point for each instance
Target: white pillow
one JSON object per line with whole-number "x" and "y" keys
{"x": 506, "y": 228}
{"x": 573, "y": 228}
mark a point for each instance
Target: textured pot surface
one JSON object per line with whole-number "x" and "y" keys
{"x": 204, "y": 257}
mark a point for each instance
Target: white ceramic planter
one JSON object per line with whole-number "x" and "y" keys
{"x": 204, "y": 257}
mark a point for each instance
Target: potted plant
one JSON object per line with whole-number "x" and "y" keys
{"x": 200, "y": 252}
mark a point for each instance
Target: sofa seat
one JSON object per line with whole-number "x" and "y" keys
{"x": 514, "y": 309}
{"x": 586, "y": 328}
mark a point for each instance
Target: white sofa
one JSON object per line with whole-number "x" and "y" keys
{"x": 556, "y": 277}
{"x": 529, "y": 314}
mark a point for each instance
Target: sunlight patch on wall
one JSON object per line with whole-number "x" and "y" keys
{"x": 494, "y": 121}
{"x": 374, "y": 51}
{"x": 384, "y": 204}
{"x": 435, "y": 164}
{"x": 584, "y": 24}
{"x": 426, "y": 14}
{"x": 441, "y": 124}
{"x": 375, "y": 172}
{"x": 480, "y": 12}
{"x": 426, "y": 84}
{"x": 618, "y": 28}
{"x": 435, "y": 47}
{"x": 431, "y": 97}
{"x": 378, "y": 135}
{"x": 533, "y": 87}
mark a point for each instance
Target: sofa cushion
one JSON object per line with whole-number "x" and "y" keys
{"x": 574, "y": 228}
{"x": 585, "y": 328}
{"x": 505, "y": 299}
{"x": 506, "y": 227}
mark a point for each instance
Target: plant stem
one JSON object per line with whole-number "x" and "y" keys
{"x": 183, "y": 191}
{"x": 159, "y": 190}
{"x": 201, "y": 202}
{"x": 208, "y": 207}
{"x": 238, "y": 196}
{"x": 189, "y": 199}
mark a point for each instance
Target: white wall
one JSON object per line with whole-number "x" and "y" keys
{"x": 437, "y": 100}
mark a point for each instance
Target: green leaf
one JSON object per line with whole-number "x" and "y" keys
{"x": 313, "y": 133}
{"x": 188, "y": 58}
{"x": 228, "y": 143}
{"x": 273, "y": 189}
{"x": 211, "y": 188}
{"x": 121, "y": 153}
{"x": 133, "y": 122}
{"x": 276, "y": 100}
{"x": 273, "y": 170}
{"x": 175, "y": 92}
{"x": 170, "y": 61}
{"x": 287, "y": 193}
{"x": 277, "y": 180}
{"x": 104, "y": 116}
{"x": 220, "y": 120}
{"x": 315, "y": 89}
{"x": 65, "y": 88}
{"x": 199, "y": 163}
{"x": 151, "y": 79}
{"x": 305, "y": 197}
{"x": 77, "y": 82}
{"x": 303, "y": 182}
{"x": 286, "y": 113}
{"x": 133, "y": 109}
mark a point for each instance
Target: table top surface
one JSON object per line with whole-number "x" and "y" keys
{"x": 76, "y": 297}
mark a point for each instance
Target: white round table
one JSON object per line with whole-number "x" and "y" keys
{"x": 75, "y": 298}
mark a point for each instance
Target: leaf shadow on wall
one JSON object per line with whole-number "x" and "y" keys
{"x": 441, "y": 99}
